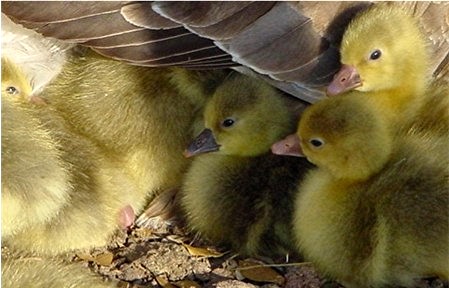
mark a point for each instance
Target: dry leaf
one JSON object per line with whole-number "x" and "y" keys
{"x": 259, "y": 273}
{"x": 85, "y": 256}
{"x": 162, "y": 280}
{"x": 104, "y": 259}
{"x": 176, "y": 238}
{"x": 187, "y": 284}
{"x": 203, "y": 251}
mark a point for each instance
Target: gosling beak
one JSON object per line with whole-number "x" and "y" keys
{"x": 346, "y": 79}
{"x": 203, "y": 143}
{"x": 289, "y": 146}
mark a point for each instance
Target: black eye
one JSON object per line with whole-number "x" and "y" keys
{"x": 375, "y": 54}
{"x": 228, "y": 122}
{"x": 316, "y": 142}
{"x": 11, "y": 90}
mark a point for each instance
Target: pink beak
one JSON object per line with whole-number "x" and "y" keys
{"x": 346, "y": 79}
{"x": 289, "y": 146}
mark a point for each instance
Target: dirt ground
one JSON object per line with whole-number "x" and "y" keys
{"x": 165, "y": 256}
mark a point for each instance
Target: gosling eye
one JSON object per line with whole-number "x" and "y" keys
{"x": 316, "y": 142}
{"x": 12, "y": 90}
{"x": 228, "y": 122}
{"x": 375, "y": 54}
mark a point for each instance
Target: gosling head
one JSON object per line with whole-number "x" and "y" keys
{"x": 341, "y": 135}
{"x": 382, "y": 49}
{"x": 243, "y": 118}
{"x": 14, "y": 82}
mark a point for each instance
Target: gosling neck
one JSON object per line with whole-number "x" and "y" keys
{"x": 399, "y": 104}
{"x": 368, "y": 160}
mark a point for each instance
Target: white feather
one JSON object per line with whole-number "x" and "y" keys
{"x": 39, "y": 57}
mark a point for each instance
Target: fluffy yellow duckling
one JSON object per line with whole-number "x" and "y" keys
{"x": 240, "y": 195}
{"x": 36, "y": 188}
{"x": 375, "y": 211}
{"x": 384, "y": 56}
{"x": 120, "y": 130}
